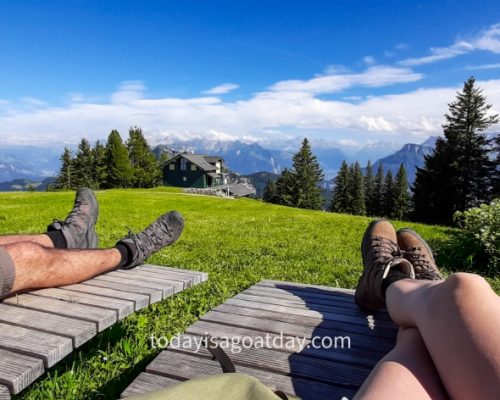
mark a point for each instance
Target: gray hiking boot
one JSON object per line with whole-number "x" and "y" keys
{"x": 419, "y": 254}
{"x": 162, "y": 232}
{"x": 78, "y": 228}
{"x": 380, "y": 253}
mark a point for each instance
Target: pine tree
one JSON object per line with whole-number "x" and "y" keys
{"x": 369, "y": 189}
{"x": 83, "y": 166}
{"x": 496, "y": 178}
{"x": 118, "y": 164}
{"x": 378, "y": 193}
{"x": 270, "y": 192}
{"x": 341, "y": 191}
{"x": 146, "y": 172}
{"x": 285, "y": 187}
{"x": 99, "y": 169}
{"x": 459, "y": 173}
{"x": 388, "y": 195}
{"x": 358, "y": 206}
{"x": 307, "y": 175}
{"x": 65, "y": 178}
{"x": 401, "y": 195}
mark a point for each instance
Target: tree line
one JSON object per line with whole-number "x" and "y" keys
{"x": 116, "y": 164}
{"x": 462, "y": 172}
{"x": 379, "y": 195}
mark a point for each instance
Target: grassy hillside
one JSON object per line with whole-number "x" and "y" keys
{"x": 238, "y": 242}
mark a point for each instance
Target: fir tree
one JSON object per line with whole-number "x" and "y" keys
{"x": 378, "y": 193}
{"x": 83, "y": 166}
{"x": 65, "y": 178}
{"x": 358, "y": 206}
{"x": 307, "y": 175}
{"x": 285, "y": 187}
{"x": 341, "y": 199}
{"x": 401, "y": 195}
{"x": 369, "y": 189}
{"x": 496, "y": 178}
{"x": 100, "y": 167}
{"x": 459, "y": 173}
{"x": 119, "y": 168}
{"x": 146, "y": 172}
{"x": 270, "y": 192}
{"x": 388, "y": 195}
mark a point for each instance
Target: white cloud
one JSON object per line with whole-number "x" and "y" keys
{"x": 376, "y": 76}
{"x": 369, "y": 60}
{"x": 265, "y": 115}
{"x": 128, "y": 92}
{"x": 488, "y": 40}
{"x": 484, "y": 66}
{"x": 440, "y": 53}
{"x": 33, "y": 102}
{"x": 222, "y": 89}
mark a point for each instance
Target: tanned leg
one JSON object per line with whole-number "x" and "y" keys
{"x": 41, "y": 239}
{"x": 459, "y": 321}
{"x": 406, "y": 372}
{"x": 40, "y": 267}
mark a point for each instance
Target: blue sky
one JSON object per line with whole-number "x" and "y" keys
{"x": 340, "y": 70}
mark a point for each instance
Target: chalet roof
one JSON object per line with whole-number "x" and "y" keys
{"x": 202, "y": 161}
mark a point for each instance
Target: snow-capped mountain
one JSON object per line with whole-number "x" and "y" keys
{"x": 28, "y": 162}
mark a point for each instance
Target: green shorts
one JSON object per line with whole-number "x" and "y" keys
{"x": 7, "y": 273}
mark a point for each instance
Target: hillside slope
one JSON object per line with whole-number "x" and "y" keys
{"x": 238, "y": 242}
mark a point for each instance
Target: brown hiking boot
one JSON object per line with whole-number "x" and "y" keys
{"x": 380, "y": 253}
{"x": 418, "y": 252}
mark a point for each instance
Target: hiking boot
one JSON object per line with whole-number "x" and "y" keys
{"x": 162, "y": 232}
{"x": 380, "y": 253}
{"x": 78, "y": 228}
{"x": 418, "y": 252}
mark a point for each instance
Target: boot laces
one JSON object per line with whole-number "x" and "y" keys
{"x": 421, "y": 263}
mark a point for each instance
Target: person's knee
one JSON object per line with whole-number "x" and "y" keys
{"x": 25, "y": 250}
{"x": 463, "y": 287}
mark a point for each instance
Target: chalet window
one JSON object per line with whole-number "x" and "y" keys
{"x": 193, "y": 167}
{"x": 183, "y": 164}
{"x": 171, "y": 167}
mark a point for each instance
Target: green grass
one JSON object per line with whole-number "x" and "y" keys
{"x": 238, "y": 242}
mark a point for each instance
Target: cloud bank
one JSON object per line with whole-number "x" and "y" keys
{"x": 297, "y": 106}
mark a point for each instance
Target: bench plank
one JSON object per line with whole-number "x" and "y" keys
{"x": 4, "y": 393}
{"x": 50, "y": 348}
{"x": 79, "y": 331}
{"x": 101, "y": 317}
{"x": 169, "y": 286}
{"x": 122, "y": 307}
{"x": 185, "y": 366}
{"x": 18, "y": 371}
{"x": 199, "y": 277}
{"x": 139, "y": 300}
{"x": 127, "y": 285}
{"x": 146, "y": 382}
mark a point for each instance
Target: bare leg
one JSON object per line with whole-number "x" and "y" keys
{"x": 459, "y": 320}
{"x": 41, "y": 239}
{"x": 406, "y": 372}
{"x": 39, "y": 267}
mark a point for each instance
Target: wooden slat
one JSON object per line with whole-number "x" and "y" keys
{"x": 145, "y": 383}
{"x": 186, "y": 279}
{"x": 79, "y": 331}
{"x": 50, "y": 348}
{"x": 122, "y": 307}
{"x": 308, "y": 290}
{"x": 296, "y": 365}
{"x": 129, "y": 285}
{"x": 296, "y": 303}
{"x": 355, "y": 356}
{"x": 186, "y": 366}
{"x": 365, "y": 321}
{"x": 100, "y": 316}
{"x": 306, "y": 286}
{"x": 357, "y": 341}
{"x": 4, "y": 393}
{"x": 308, "y": 321}
{"x": 139, "y": 300}
{"x": 198, "y": 276}
{"x": 313, "y": 297}
{"x": 169, "y": 286}
{"x": 18, "y": 371}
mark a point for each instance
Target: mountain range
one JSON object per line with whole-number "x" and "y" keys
{"x": 35, "y": 164}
